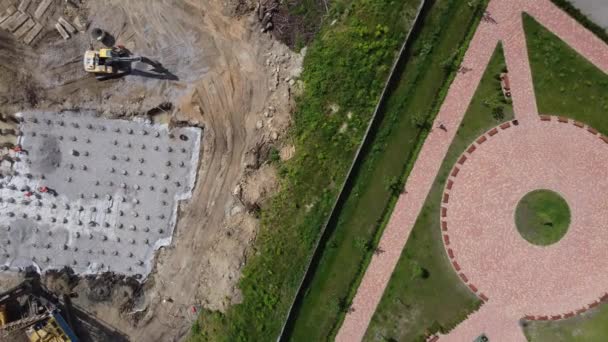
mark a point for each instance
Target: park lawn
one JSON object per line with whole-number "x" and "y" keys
{"x": 344, "y": 72}
{"x": 542, "y": 217}
{"x": 567, "y": 84}
{"x": 589, "y": 327}
{"x": 424, "y": 294}
{"x": 380, "y": 177}
{"x": 564, "y": 81}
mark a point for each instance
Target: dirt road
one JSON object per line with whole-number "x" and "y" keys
{"x": 219, "y": 73}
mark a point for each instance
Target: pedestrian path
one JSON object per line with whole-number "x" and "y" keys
{"x": 502, "y": 22}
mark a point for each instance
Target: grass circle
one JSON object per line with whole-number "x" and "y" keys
{"x": 542, "y": 217}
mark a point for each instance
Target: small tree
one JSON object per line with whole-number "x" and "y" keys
{"x": 451, "y": 63}
{"x": 498, "y": 113}
{"x": 419, "y": 120}
{"x": 491, "y": 101}
{"x": 394, "y": 186}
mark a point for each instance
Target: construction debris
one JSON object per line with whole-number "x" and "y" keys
{"x": 80, "y": 24}
{"x": 24, "y": 5}
{"x": 16, "y": 20}
{"x": 9, "y": 12}
{"x": 41, "y": 9}
{"x": 67, "y": 25}
{"x": 25, "y": 28}
{"x": 32, "y": 34}
{"x": 62, "y": 31}
{"x": 265, "y": 11}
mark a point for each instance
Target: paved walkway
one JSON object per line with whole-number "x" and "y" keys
{"x": 516, "y": 278}
{"x": 506, "y": 26}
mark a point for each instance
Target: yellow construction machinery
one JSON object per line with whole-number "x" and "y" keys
{"x": 26, "y": 316}
{"x": 108, "y": 62}
{"x": 52, "y": 329}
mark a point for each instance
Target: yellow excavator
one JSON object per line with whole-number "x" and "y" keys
{"x": 110, "y": 62}
{"x": 26, "y": 316}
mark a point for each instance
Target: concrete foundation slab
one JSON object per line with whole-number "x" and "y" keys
{"x": 94, "y": 194}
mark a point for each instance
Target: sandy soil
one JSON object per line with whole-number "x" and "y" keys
{"x": 223, "y": 75}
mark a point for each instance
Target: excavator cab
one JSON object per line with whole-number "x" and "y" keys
{"x": 97, "y": 61}
{"x": 107, "y": 62}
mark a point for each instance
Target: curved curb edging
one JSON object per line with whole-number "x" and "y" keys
{"x": 446, "y": 197}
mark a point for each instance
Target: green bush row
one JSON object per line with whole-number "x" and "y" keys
{"x": 344, "y": 72}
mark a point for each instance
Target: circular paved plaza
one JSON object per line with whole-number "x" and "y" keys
{"x": 478, "y": 217}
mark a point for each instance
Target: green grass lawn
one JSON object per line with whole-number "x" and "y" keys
{"x": 567, "y": 84}
{"x": 344, "y": 72}
{"x": 380, "y": 176}
{"x": 590, "y": 327}
{"x": 424, "y": 294}
{"x": 542, "y": 217}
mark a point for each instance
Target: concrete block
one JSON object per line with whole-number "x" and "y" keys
{"x": 79, "y": 24}
{"x": 41, "y": 9}
{"x": 67, "y": 25}
{"x": 8, "y": 13}
{"x": 24, "y": 5}
{"x": 32, "y": 34}
{"x": 62, "y": 31}
{"x": 25, "y": 28}
{"x": 13, "y": 23}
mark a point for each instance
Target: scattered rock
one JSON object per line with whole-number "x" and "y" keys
{"x": 287, "y": 152}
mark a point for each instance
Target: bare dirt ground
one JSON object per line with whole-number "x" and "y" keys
{"x": 222, "y": 74}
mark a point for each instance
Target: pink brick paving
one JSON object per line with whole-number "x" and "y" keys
{"x": 508, "y": 29}
{"x": 518, "y": 279}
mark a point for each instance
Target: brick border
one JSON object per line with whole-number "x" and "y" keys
{"x": 446, "y": 197}
{"x": 451, "y": 181}
{"x": 602, "y": 300}
{"x": 578, "y": 124}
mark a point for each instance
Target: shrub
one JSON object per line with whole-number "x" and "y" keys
{"x": 498, "y": 113}
{"x": 420, "y": 120}
{"x": 274, "y": 155}
{"x": 394, "y": 185}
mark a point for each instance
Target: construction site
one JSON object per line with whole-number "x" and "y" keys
{"x": 134, "y": 146}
